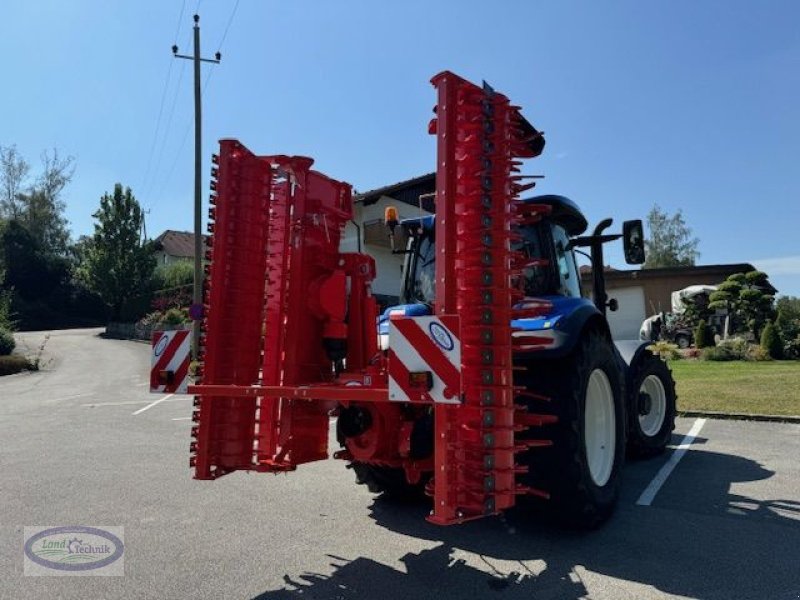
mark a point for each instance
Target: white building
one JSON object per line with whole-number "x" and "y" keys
{"x": 371, "y": 236}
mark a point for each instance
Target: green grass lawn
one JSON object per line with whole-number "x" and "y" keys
{"x": 771, "y": 388}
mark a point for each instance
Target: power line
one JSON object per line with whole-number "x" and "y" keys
{"x": 228, "y": 26}
{"x": 169, "y": 124}
{"x": 158, "y": 126}
{"x": 145, "y": 179}
{"x": 180, "y": 21}
{"x": 185, "y": 136}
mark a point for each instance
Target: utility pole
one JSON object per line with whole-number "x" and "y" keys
{"x": 196, "y": 311}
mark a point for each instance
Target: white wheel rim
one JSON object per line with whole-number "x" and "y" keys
{"x": 650, "y": 423}
{"x": 600, "y": 427}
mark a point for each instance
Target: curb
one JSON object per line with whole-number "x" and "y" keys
{"x": 740, "y": 416}
{"x": 105, "y": 336}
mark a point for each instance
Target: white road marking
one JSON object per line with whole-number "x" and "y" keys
{"x": 93, "y": 404}
{"x": 646, "y": 499}
{"x": 152, "y": 404}
{"x": 73, "y": 397}
{"x": 181, "y": 418}
{"x": 143, "y": 384}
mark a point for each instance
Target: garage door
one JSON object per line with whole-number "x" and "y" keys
{"x": 625, "y": 322}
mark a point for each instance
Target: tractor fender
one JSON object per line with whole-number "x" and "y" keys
{"x": 629, "y": 353}
{"x": 574, "y": 325}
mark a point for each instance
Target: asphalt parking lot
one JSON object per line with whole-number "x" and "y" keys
{"x": 724, "y": 524}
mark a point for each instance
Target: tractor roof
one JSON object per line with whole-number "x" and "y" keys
{"x": 564, "y": 212}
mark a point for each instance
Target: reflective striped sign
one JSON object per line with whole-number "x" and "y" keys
{"x": 169, "y": 365}
{"x": 418, "y": 344}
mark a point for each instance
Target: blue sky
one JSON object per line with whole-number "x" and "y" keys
{"x": 691, "y": 105}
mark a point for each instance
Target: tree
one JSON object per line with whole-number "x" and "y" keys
{"x": 41, "y": 209}
{"x": 38, "y": 207}
{"x": 771, "y": 341}
{"x": 670, "y": 243}
{"x": 44, "y": 219}
{"x": 30, "y": 271}
{"x": 788, "y": 320}
{"x": 703, "y": 336}
{"x": 744, "y": 297}
{"x": 118, "y": 263}
{"x": 14, "y": 171}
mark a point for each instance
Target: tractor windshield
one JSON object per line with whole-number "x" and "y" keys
{"x": 420, "y": 271}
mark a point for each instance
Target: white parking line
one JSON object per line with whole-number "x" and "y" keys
{"x": 646, "y": 499}
{"x": 72, "y": 397}
{"x": 152, "y": 404}
{"x": 129, "y": 402}
{"x": 181, "y": 418}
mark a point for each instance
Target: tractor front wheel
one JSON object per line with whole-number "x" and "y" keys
{"x": 652, "y": 406}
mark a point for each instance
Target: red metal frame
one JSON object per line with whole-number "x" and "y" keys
{"x": 477, "y": 143}
{"x": 282, "y": 304}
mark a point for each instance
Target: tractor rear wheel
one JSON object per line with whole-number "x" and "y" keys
{"x": 581, "y": 470}
{"x": 651, "y": 407}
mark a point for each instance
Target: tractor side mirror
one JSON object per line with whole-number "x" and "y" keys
{"x": 633, "y": 241}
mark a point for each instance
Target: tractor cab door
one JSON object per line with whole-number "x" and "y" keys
{"x": 569, "y": 281}
{"x": 551, "y": 269}
{"x": 419, "y": 268}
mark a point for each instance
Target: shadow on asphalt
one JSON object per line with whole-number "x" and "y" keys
{"x": 749, "y": 548}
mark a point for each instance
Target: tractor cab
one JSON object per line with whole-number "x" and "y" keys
{"x": 550, "y": 273}
{"x": 550, "y": 278}
{"x": 551, "y": 269}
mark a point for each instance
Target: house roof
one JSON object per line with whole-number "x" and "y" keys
{"x": 177, "y": 243}
{"x": 407, "y": 191}
{"x": 714, "y": 273}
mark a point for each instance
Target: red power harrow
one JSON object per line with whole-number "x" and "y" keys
{"x": 289, "y": 332}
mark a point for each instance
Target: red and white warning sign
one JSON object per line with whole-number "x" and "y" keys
{"x": 169, "y": 367}
{"x": 425, "y": 348}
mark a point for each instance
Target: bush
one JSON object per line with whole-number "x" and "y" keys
{"x": 730, "y": 349}
{"x": 771, "y": 341}
{"x": 175, "y": 316}
{"x": 13, "y": 364}
{"x": 665, "y": 350}
{"x": 791, "y": 349}
{"x": 757, "y": 353}
{"x": 5, "y": 309}
{"x": 703, "y": 335}
{"x": 7, "y": 343}
{"x": 173, "y": 275}
{"x": 692, "y": 353}
{"x": 719, "y": 353}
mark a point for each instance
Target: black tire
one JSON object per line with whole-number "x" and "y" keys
{"x": 389, "y": 482}
{"x": 683, "y": 341}
{"x": 562, "y": 469}
{"x": 642, "y": 443}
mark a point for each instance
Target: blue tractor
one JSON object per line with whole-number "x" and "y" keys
{"x": 607, "y": 399}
